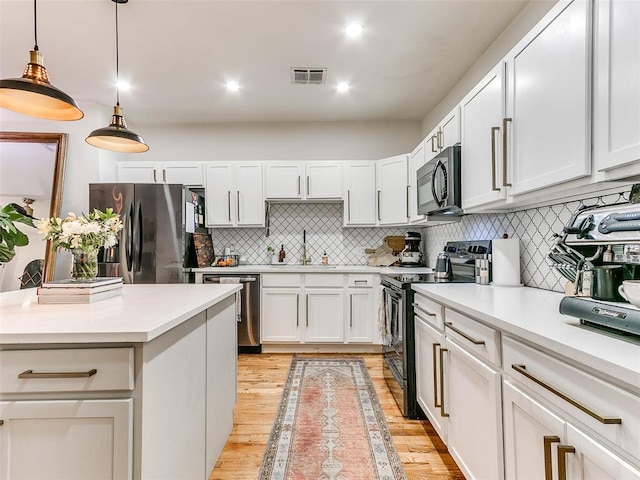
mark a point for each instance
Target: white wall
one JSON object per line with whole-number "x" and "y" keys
{"x": 525, "y": 21}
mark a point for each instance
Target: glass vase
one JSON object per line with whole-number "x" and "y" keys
{"x": 85, "y": 265}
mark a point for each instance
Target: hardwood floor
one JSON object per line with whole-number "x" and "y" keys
{"x": 260, "y": 382}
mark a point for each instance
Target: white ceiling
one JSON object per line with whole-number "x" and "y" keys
{"x": 178, "y": 54}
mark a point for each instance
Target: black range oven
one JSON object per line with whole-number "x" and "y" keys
{"x": 398, "y": 344}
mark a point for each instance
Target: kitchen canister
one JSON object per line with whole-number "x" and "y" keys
{"x": 505, "y": 253}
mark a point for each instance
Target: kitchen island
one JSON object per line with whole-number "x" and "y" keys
{"x": 139, "y": 386}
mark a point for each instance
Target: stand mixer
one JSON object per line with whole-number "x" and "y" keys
{"x": 411, "y": 254}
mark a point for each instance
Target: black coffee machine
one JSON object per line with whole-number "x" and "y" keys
{"x": 411, "y": 254}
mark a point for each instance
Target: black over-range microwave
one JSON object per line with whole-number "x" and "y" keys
{"x": 439, "y": 185}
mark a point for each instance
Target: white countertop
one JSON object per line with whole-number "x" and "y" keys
{"x": 532, "y": 314}
{"x": 140, "y": 314}
{"x": 315, "y": 268}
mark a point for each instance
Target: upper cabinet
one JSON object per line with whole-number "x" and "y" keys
{"x": 233, "y": 194}
{"x": 546, "y": 130}
{"x": 417, "y": 158}
{"x": 392, "y": 190}
{"x": 359, "y": 208}
{"x": 185, "y": 173}
{"x": 446, "y": 134}
{"x": 303, "y": 180}
{"x": 617, "y": 88}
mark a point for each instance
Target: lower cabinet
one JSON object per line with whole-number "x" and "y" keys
{"x": 360, "y": 315}
{"x": 70, "y": 439}
{"x": 280, "y": 314}
{"x": 324, "y": 315}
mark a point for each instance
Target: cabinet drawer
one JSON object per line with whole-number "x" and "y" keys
{"x": 474, "y": 336}
{"x": 281, "y": 280}
{"x": 72, "y": 370}
{"x": 429, "y": 311}
{"x": 323, "y": 280}
{"x": 577, "y": 393}
{"x": 355, "y": 280}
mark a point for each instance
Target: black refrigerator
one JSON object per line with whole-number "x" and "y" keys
{"x": 156, "y": 244}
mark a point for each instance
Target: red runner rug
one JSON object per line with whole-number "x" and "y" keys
{"x": 329, "y": 425}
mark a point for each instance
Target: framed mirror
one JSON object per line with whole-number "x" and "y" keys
{"x": 31, "y": 175}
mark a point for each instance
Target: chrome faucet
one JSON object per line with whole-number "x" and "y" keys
{"x": 304, "y": 260}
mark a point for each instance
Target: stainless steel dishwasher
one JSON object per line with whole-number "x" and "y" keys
{"x": 249, "y": 322}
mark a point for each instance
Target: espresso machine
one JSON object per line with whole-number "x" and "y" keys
{"x": 411, "y": 254}
{"x": 598, "y": 249}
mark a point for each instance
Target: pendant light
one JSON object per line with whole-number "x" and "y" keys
{"x": 33, "y": 94}
{"x": 117, "y": 137}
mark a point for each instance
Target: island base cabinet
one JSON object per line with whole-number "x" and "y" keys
{"x": 66, "y": 439}
{"x": 473, "y": 401}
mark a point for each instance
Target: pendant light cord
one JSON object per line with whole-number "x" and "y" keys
{"x": 35, "y": 25}
{"x": 117, "y": 61}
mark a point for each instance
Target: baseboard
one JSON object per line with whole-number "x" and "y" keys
{"x": 320, "y": 348}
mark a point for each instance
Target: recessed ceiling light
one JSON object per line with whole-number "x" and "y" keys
{"x": 354, "y": 30}
{"x": 342, "y": 87}
{"x": 123, "y": 86}
{"x": 233, "y": 86}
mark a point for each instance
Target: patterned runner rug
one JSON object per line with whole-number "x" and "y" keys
{"x": 329, "y": 426}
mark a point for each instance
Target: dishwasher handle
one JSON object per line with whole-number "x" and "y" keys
{"x": 217, "y": 279}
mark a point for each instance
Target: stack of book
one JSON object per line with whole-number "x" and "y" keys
{"x": 72, "y": 291}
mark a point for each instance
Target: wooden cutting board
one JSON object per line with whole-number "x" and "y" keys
{"x": 395, "y": 242}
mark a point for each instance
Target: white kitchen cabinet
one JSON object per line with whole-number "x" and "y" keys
{"x": 324, "y": 315}
{"x": 185, "y": 173}
{"x": 303, "y": 180}
{"x": 547, "y": 124}
{"x": 359, "y": 207}
{"x": 446, "y": 134}
{"x": 281, "y": 314}
{"x": 616, "y": 92}
{"x": 473, "y": 400}
{"x": 233, "y": 192}
{"x": 392, "y": 190}
{"x": 481, "y": 159}
{"x": 417, "y": 159}
{"x": 70, "y": 439}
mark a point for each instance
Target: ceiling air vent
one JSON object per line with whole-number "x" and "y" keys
{"x": 308, "y": 76}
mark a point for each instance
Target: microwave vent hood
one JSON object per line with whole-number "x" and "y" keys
{"x": 450, "y": 214}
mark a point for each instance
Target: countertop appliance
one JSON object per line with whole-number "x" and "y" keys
{"x": 411, "y": 254}
{"x": 439, "y": 186}
{"x": 619, "y": 317}
{"x": 399, "y": 343}
{"x": 249, "y": 305}
{"x": 156, "y": 243}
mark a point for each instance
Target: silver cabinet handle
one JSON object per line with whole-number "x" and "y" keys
{"x": 442, "y": 412}
{"x": 164, "y": 175}
{"x": 493, "y": 158}
{"x": 238, "y": 203}
{"x": 155, "y": 176}
{"x": 562, "y": 460}
{"x": 361, "y": 282}
{"x": 504, "y": 151}
{"x": 349, "y": 205}
{"x": 306, "y": 309}
{"x": 350, "y": 311}
{"x": 407, "y": 201}
{"x": 434, "y": 150}
{"x": 548, "y": 440}
{"x": 522, "y": 370}
{"x": 229, "y": 204}
{"x": 379, "y": 205}
{"x": 435, "y": 376}
{"x": 298, "y": 184}
{"x": 418, "y": 307}
{"x": 308, "y": 186}
{"x": 297, "y": 309}
{"x": 464, "y": 335}
{"x": 440, "y": 137}
{"x": 32, "y": 374}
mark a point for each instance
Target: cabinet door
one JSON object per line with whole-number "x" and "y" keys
{"x": 531, "y": 436}
{"x": 324, "y": 315}
{"x": 592, "y": 461}
{"x": 360, "y": 193}
{"x": 323, "y": 180}
{"x": 360, "y": 315}
{"x": 617, "y": 76}
{"x": 393, "y": 204}
{"x": 450, "y": 129}
{"x": 474, "y": 404}
{"x": 481, "y": 115}
{"x": 417, "y": 158}
{"x": 249, "y": 199}
{"x": 138, "y": 172}
{"x": 283, "y": 180}
{"x": 70, "y": 439}
{"x": 185, "y": 173}
{"x": 281, "y": 314}
{"x": 428, "y": 370}
{"x": 219, "y": 194}
{"x": 548, "y": 101}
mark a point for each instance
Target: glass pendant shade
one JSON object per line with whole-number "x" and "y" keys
{"x": 34, "y": 95}
{"x": 117, "y": 137}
